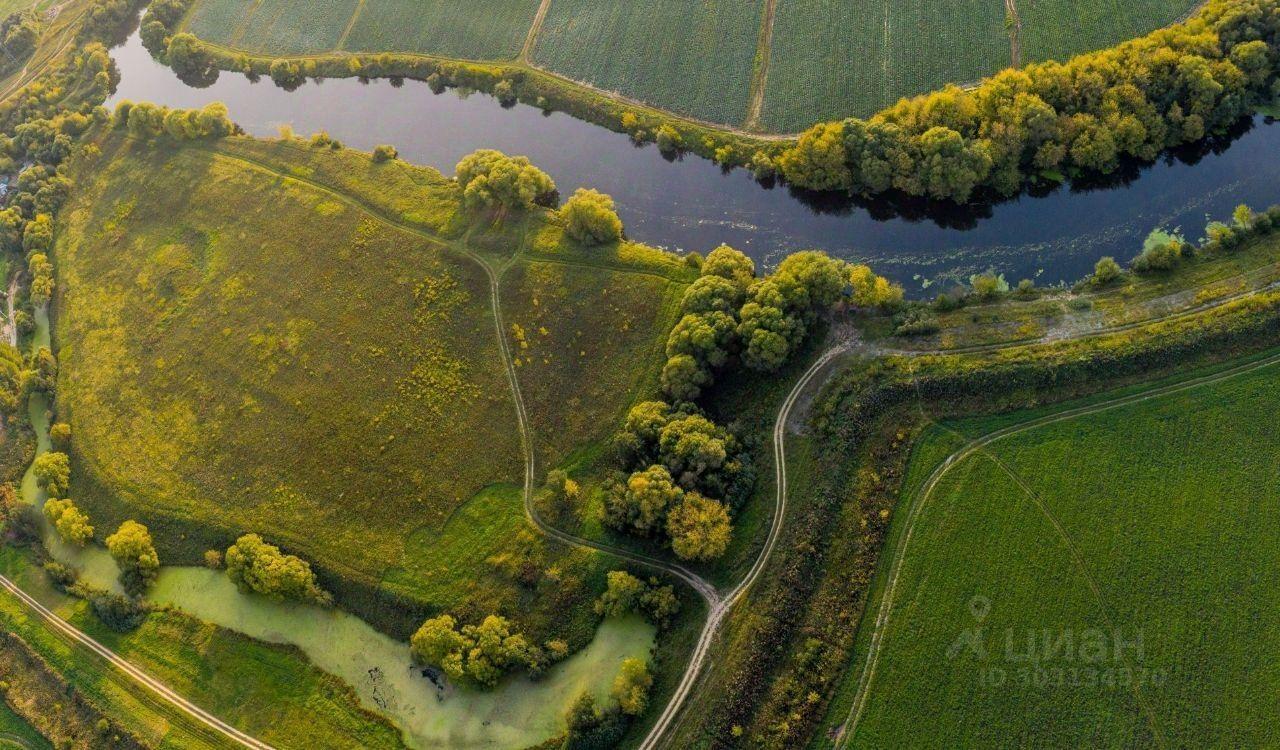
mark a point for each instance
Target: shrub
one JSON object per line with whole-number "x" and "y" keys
{"x": 631, "y": 687}
{"x": 133, "y": 550}
{"x": 384, "y": 153}
{"x": 1105, "y": 271}
{"x": 1160, "y": 252}
{"x": 70, "y": 522}
{"x": 590, "y": 218}
{"x": 491, "y": 179}
{"x": 257, "y": 566}
{"x": 53, "y": 472}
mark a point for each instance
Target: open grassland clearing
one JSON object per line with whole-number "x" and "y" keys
{"x": 691, "y": 58}
{"x": 1059, "y": 29}
{"x": 583, "y": 340}
{"x": 833, "y": 59}
{"x": 1131, "y": 522}
{"x": 198, "y": 291}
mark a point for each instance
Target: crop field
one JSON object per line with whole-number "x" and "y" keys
{"x": 832, "y": 59}
{"x": 272, "y": 26}
{"x": 1098, "y": 581}
{"x": 691, "y": 58}
{"x": 449, "y": 28}
{"x": 1058, "y": 29}
{"x": 221, "y": 342}
{"x": 495, "y": 29}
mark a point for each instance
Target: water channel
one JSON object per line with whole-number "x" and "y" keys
{"x": 690, "y": 204}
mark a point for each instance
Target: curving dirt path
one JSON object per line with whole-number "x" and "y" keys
{"x": 847, "y": 731}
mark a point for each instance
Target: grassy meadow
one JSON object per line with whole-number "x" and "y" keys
{"x": 1150, "y": 521}
{"x": 301, "y": 343}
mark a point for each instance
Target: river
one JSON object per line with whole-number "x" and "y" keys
{"x": 691, "y": 204}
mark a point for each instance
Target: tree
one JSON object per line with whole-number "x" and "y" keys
{"x": 60, "y": 435}
{"x": 491, "y": 179}
{"x": 53, "y": 472}
{"x": 631, "y": 686}
{"x": 712, "y": 293}
{"x": 438, "y": 642}
{"x": 699, "y": 528}
{"x": 669, "y": 140}
{"x": 988, "y": 286}
{"x": 561, "y": 491}
{"x": 496, "y": 648}
{"x": 1160, "y": 252}
{"x": 1105, "y": 271}
{"x": 817, "y": 161}
{"x": 257, "y": 566}
{"x": 660, "y": 603}
{"x": 707, "y": 337}
{"x": 868, "y": 290}
{"x": 590, "y": 218}
{"x": 684, "y": 377}
{"x": 70, "y": 522}
{"x": 384, "y": 153}
{"x": 730, "y": 264}
{"x": 642, "y": 506}
{"x": 622, "y": 594}
{"x": 691, "y": 446}
{"x": 41, "y": 271}
{"x": 133, "y": 550}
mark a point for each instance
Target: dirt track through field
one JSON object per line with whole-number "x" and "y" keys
{"x": 760, "y": 74}
{"x": 534, "y": 30}
{"x": 1014, "y": 22}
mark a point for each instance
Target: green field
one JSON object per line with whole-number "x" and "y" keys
{"x": 449, "y": 28}
{"x": 834, "y": 59}
{"x": 691, "y": 58}
{"x": 1150, "y": 520}
{"x": 495, "y": 29}
{"x": 1058, "y": 29}
{"x": 16, "y": 734}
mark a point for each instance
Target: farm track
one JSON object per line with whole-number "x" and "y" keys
{"x": 80, "y": 639}
{"x": 1015, "y": 32}
{"x": 760, "y": 75}
{"x": 845, "y": 736}
{"x": 535, "y": 29}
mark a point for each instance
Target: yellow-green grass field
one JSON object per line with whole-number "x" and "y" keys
{"x": 16, "y": 734}
{"x": 817, "y": 59}
{"x": 1097, "y": 581}
{"x": 301, "y": 343}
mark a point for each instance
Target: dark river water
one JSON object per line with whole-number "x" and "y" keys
{"x": 690, "y": 204}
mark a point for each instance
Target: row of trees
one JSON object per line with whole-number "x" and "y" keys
{"x": 1174, "y": 86}
{"x": 147, "y": 121}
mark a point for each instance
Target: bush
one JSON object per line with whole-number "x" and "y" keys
{"x": 915, "y": 322}
{"x": 1105, "y": 271}
{"x": 70, "y": 522}
{"x": 385, "y": 153}
{"x": 120, "y": 613}
{"x": 1160, "y": 252}
{"x": 134, "y": 552}
{"x": 257, "y": 566}
{"x": 491, "y": 179}
{"x": 590, "y": 218}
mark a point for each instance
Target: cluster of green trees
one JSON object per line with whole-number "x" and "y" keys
{"x": 134, "y": 552}
{"x": 685, "y": 472}
{"x": 728, "y": 314}
{"x": 481, "y": 654}
{"x": 626, "y": 593}
{"x": 148, "y": 121}
{"x": 262, "y": 568}
{"x": 19, "y": 33}
{"x": 494, "y": 181}
{"x": 1174, "y": 86}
